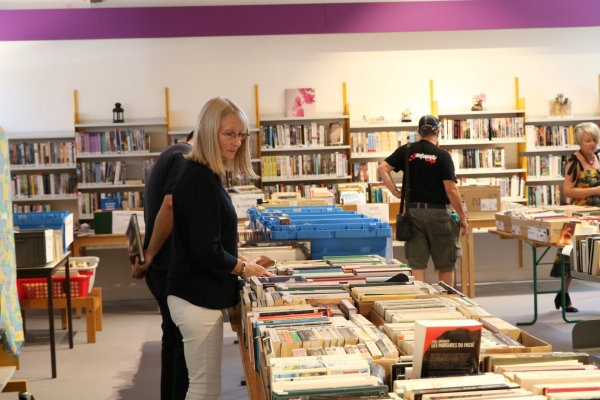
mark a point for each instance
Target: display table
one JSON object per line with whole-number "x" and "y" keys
{"x": 537, "y": 261}
{"x": 254, "y": 382}
{"x": 46, "y": 272}
{"x": 81, "y": 241}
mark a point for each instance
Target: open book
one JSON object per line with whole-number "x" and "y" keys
{"x": 135, "y": 245}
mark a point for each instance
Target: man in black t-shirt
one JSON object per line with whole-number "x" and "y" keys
{"x": 158, "y": 216}
{"x": 432, "y": 189}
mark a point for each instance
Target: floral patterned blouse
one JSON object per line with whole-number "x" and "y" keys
{"x": 585, "y": 179}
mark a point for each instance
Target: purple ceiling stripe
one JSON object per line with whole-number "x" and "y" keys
{"x": 460, "y": 15}
{"x": 285, "y": 19}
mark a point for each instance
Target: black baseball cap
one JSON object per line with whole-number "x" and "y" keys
{"x": 428, "y": 123}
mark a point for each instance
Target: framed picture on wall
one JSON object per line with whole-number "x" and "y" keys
{"x": 560, "y": 107}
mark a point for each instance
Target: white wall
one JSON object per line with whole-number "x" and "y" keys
{"x": 385, "y": 73}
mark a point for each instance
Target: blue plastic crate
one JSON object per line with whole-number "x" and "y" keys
{"x": 253, "y": 213}
{"x": 56, "y": 220}
{"x": 313, "y": 221}
{"x": 338, "y": 239}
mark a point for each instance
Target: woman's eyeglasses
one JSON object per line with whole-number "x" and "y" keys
{"x": 233, "y": 135}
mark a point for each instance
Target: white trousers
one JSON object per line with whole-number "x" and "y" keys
{"x": 202, "y": 331}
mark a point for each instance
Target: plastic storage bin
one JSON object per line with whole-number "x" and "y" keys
{"x": 90, "y": 270}
{"x": 37, "y": 288}
{"x": 56, "y": 220}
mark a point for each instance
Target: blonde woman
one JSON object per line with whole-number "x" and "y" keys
{"x": 205, "y": 266}
{"x": 581, "y": 184}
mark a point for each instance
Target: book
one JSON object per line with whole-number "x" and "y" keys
{"x": 246, "y": 189}
{"x": 336, "y": 134}
{"x": 445, "y": 348}
{"x": 135, "y": 245}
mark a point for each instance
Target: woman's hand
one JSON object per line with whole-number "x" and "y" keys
{"x": 253, "y": 269}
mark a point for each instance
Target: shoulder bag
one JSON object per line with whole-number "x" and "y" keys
{"x": 403, "y": 220}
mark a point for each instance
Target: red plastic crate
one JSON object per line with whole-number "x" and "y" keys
{"x": 37, "y": 288}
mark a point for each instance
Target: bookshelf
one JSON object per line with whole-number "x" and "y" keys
{"x": 113, "y": 159}
{"x": 485, "y": 145}
{"x": 42, "y": 167}
{"x": 372, "y": 143}
{"x": 549, "y": 145}
{"x": 295, "y": 153}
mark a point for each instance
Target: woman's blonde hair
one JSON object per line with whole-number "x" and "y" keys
{"x": 206, "y": 148}
{"x": 586, "y": 127}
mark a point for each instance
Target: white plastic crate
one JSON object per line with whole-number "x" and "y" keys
{"x": 92, "y": 265}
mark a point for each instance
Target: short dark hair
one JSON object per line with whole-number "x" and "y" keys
{"x": 189, "y": 136}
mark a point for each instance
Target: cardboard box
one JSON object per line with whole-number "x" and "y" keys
{"x": 480, "y": 201}
{"x": 545, "y": 231}
{"x": 503, "y": 222}
{"x": 518, "y": 227}
{"x": 531, "y": 343}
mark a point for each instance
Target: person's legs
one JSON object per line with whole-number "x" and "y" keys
{"x": 446, "y": 276}
{"x": 202, "y": 332}
{"x": 419, "y": 274}
{"x": 174, "y": 377}
{"x": 444, "y": 234}
{"x": 416, "y": 250}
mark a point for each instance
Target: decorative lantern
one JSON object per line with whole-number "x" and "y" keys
{"x": 118, "y": 113}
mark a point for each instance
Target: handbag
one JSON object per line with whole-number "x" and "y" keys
{"x": 404, "y": 220}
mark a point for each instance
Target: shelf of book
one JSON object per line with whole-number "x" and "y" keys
{"x": 40, "y": 168}
{"x": 102, "y": 186}
{"x": 45, "y": 135}
{"x": 317, "y": 117}
{"x": 476, "y": 142}
{"x": 305, "y": 178}
{"x": 44, "y": 198}
{"x": 530, "y": 179}
{"x": 369, "y": 156}
{"x": 388, "y": 126}
{"x": 106, "y": 123}
{"x": 120, "y": 155}
{"x": 306, "y": 148}
{"x": 550, "y": 149}
{"x": 302, "y": 138}
{"x": 486, "y": 113}
{"x": 482, "y": 171}
{"x": 576, "y": 119}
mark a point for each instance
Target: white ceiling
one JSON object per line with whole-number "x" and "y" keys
{"x": 44, "y": 4}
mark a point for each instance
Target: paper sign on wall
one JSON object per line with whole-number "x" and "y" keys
{"x": 120, "y": 220}
{"x": 375, "y": 210}
{"x": 242, "y": 202}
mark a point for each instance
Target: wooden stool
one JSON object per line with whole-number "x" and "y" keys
{"x": 92, "y": 305}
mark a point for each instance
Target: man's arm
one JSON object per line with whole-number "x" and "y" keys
{"x": 384, "y": 171}
{"x": 163, "y": 225}
{"x": 454, "y": 197}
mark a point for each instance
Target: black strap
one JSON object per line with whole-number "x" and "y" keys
{"x": 405, "y": 183}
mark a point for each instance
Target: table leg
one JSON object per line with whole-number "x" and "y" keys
{"x": 471, "y": 262}
{"x": 69, "y": 312}
{"x": 535, "y": 289}
{"x": 463, "y": 265}
{"x": 51, "y": 321}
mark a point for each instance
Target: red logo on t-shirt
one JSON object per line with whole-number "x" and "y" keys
{"x": 430, "y": 158}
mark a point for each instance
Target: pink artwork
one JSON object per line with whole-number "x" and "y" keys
{"x": 300, "y": 102}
